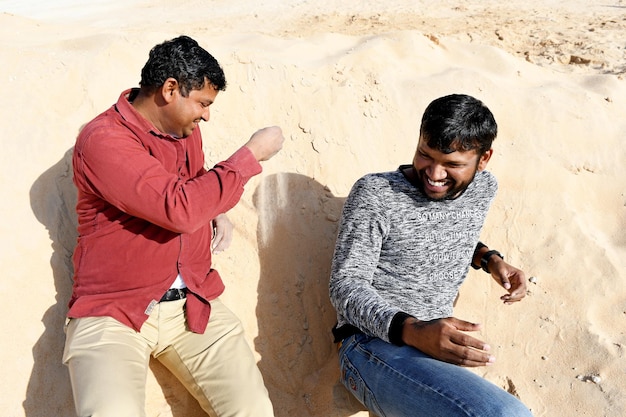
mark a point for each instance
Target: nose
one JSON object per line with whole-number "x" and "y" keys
{"x": 436, "y": 172}
{"x": 206, "y": 115}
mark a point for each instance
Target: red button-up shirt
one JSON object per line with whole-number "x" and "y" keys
{"x": 145, "y": 208}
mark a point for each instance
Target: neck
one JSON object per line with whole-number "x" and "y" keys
{"x": 146, "y": 105}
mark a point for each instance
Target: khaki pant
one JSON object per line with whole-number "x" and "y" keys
{"x": 108, "y": 363}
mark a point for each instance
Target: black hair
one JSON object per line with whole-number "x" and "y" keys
{"x": 184, "y": 60}
{"x": 458, "y": 122}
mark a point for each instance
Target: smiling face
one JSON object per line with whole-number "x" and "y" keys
{"x": 442, "y": 176}
{"x": 181, "y": 114}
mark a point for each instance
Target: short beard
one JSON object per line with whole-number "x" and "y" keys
{"x": 452, "y": 194}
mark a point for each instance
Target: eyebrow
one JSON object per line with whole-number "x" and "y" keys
{"x": 449, "y": 162}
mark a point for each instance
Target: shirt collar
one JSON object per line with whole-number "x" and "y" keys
{"x": 125, "y": 108}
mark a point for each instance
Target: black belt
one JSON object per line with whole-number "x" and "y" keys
{"x": 174, "y": 294}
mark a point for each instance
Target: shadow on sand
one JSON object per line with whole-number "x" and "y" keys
{"x": 298, "y": 220}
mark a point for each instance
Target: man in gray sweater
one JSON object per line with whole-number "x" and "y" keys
{"x": 406, "y": 241}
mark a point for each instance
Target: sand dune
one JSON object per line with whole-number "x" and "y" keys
{"x": 348, "y": 84}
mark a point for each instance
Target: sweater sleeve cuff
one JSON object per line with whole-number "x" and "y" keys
{"x": 395, "y": 328}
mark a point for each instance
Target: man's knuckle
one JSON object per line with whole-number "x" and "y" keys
{"x": 463, "y": 361}
{"x": 466, "y": 353}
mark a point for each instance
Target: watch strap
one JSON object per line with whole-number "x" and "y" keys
{"x": 479, "y": 246}
{"x": 484, "y": 261}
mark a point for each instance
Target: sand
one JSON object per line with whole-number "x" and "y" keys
{"x": 347, "y": 82}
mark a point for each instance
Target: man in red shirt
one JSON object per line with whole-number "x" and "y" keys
{"x": 149, "y": 214}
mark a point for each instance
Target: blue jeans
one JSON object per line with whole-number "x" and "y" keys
{"x": 394, "y": 381}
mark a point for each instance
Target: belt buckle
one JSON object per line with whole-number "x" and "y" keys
{"x": 174, "y": 294}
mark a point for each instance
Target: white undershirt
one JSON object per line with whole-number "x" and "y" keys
{"x": 179, "y": 282}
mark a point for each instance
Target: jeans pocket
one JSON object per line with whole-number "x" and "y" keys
{"x": 352, "y": 380}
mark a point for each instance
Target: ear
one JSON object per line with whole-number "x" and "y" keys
{"x": 170, "y": 90}
{"x": 484, "y": 158}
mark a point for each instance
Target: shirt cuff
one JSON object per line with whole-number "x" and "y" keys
{"x": 245, "y": 162}
{"x": 395, "y": 328}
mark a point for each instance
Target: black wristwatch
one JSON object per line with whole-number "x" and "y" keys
{"x": 484, "y": 261}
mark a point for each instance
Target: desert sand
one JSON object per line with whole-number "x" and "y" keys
{"x": 347, "y": 82}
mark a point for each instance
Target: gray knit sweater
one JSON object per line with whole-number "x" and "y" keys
{"x": 397, "y": 251}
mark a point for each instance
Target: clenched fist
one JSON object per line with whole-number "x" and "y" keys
{"x": 266, "y": 142}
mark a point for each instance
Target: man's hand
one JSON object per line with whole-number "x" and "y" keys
{"x": 222, "y": 233}
{"x": 512, "y": 279}
{"x": 444, "y": 339}
{"x": 266, "y": 143}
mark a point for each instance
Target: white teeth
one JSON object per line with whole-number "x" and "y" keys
{"x": 436, "y": 183}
